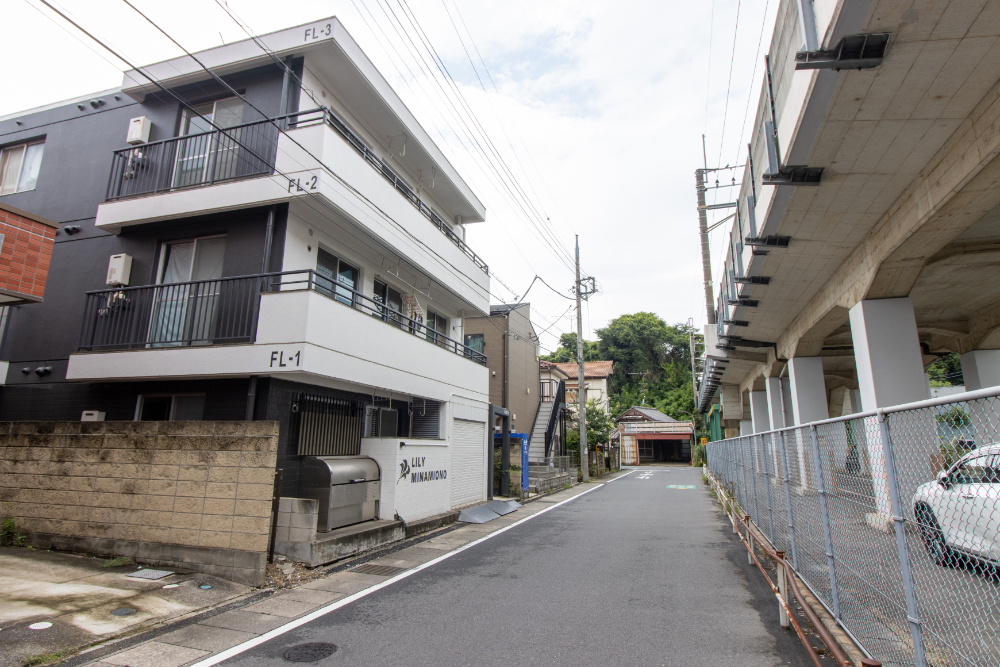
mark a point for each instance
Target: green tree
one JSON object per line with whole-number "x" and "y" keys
{"x": 599, "y": 427}
{"x": 566, "y": 352}
{"x": 946, "y": 371}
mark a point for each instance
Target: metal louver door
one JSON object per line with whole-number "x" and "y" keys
{"x": 468, "y": 462}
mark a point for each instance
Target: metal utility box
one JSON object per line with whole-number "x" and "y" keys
{"x": 138, "y": 131}
{"x": 347, "y": 489}
{"x": 119, "y": 270}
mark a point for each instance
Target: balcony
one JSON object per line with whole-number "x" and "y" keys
{"x": 227, "y": 311}
{"x": 247, "y": 151}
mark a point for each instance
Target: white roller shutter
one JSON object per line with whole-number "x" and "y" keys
{"x": 468, "y": 462}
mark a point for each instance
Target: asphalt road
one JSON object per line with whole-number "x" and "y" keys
{"x": 631, "y": 573}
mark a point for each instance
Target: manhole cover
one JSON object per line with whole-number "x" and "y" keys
{"x": 310, "y": 652}
{"x": 150, "y": 574}
{"x": 380, "y": 570}
{"x": 44, "y": 625}
{"x": 123, "y": 611}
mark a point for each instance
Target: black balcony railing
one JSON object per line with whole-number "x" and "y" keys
{"x": 222, "y": 311}
{"x": 242, "y": 151}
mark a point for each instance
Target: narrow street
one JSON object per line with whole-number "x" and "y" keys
{"x": 638, "y": 571}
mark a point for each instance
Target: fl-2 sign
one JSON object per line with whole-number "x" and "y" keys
{"x": 300, "y": 185}
{"x": 279, "y": 360}
{"x": 318, "y": 32}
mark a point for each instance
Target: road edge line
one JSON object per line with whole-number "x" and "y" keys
{"x": 333, "y": 606}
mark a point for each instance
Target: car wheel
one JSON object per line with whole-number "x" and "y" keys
{"x": 930, "y": 532}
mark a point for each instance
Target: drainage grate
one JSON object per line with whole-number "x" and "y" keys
{"x": 380, "y": 570}
{"x": 123, "y": 611}
{"x": 310, "y": 652}
{"x": 150, "y": 574}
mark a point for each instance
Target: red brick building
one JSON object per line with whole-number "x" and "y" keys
{"x": 26, "y": 242}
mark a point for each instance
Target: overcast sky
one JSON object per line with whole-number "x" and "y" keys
{"x": 598, "y": 111}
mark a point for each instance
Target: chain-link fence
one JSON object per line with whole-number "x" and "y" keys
{"x": 892, "y": 518}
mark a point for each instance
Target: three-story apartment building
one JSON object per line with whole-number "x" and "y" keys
{"x": 264, "y": 234}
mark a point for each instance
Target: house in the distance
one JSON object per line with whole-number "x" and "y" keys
{"x": 649, "y": 436}
{"x": 595, "y": 375}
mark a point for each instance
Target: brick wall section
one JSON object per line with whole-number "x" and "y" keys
{"x": 199, "y": 492}
{"x": 25, "y": 255}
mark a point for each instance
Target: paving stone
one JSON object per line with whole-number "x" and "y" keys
{"x": 311, "y": 596}
{"x": 206, "y": 638}
{"x": 245, "y": 621}
{"x": 280, "y": 606}
{"x": 155, "y": 654}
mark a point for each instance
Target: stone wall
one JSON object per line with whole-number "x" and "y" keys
{"x": 173, "y": 494}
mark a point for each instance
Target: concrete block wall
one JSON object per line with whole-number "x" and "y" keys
{"x": 184, "y": 494}
{"x": 297, "y": 520}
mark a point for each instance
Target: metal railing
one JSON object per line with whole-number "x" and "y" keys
{"x": 891, "y": 518}
{"x": 558, "y": 401}
{"x": 551, "y": 466}
{"x": 243, "y": 151}
{"x": 222, "y": 311}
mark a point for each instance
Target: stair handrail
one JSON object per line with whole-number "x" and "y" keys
{"x": 557, "y": 402}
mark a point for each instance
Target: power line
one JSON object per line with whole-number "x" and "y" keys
{"x": 732, "y": 57}
{"x": 760, "y": 39}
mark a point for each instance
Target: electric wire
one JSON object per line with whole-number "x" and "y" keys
{"x": 729, "y": 86}
{"x": 746, "y": 113}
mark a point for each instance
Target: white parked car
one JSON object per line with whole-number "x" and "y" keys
{"x": 959, "y": 513}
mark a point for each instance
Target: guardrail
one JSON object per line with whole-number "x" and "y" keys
{"x": 243, "y": 151}
{"x": 891, "y": 518}
{"x": 222, "y": 311}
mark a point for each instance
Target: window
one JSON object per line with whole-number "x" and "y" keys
{"x": 335, "y": 278}
{"x": 194, "y": 155}
{"x": 19, "y": 167}
{"x": 177, "y": 407}
{"x": 425, "y": 419}
{"x": 437, "y": 327}
{"x": 187, "y": 313}
{"x": 390, "y": 302}
{"x": 474, "y": 342}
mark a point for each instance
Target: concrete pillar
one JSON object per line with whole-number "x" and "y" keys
{"x": 786, "y": 402}
{"x": 758, "y": 412}
{"x": 855, "y": 401}
{"x": 775, "y": 409}
{"x": 981, "y": 369}
{"x": 807, "y": 389}
{"x": 746, "y": 427}
{"x": 887, "y": 353}
{"x": 891, "y": 372}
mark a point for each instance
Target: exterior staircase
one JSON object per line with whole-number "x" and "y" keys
{"x": 536, "y": 446}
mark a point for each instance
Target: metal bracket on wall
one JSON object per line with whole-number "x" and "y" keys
{"x": 769, "y": 242}
{"x": 753, "y": 280}
{"x": 852, "y": 52}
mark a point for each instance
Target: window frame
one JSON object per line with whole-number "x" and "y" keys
{"x": 24, "y": 145}
{"x": 332, "y": 292}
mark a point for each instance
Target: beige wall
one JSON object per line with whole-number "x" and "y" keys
{"x": 522, "y": 363}
{"x": 192, "y": 493}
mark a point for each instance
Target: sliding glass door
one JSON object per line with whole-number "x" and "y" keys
{"x": 184, "y": 312}
{"x": 208, "y": 157}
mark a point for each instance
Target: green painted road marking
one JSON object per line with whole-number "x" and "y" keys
{"x": 680, "y": 486}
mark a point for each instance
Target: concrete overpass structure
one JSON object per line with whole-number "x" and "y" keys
{"x": 866, "y": 241}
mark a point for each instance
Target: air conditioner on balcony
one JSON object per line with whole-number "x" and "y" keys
{"x": 119, "y": 269}
{"x": 138, "y": 131}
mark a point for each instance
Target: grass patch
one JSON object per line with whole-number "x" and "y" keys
{"x": 118, "y": 562}
{"x": 10, "y": 536}
{"x": 48, "y": 658}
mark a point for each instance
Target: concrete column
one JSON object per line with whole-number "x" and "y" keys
{"x": 807, "y": 389}
{"x": 758, "y": 412}
{"x": 775, "y": 409}
{"x": 786, "y": 402}
{"x": 891, "y": 372}
{"x": 746, "y": 427}
{"x": 855, "y": 401}
{"x": 887, "y": 353}
{"x": 981, "y": 369}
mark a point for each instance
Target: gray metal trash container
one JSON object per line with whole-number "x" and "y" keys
{"x": 346, "y": 487}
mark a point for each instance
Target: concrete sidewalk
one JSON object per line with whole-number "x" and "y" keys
{"x": 183, "y": 634}
{"x": 71, "y": 599}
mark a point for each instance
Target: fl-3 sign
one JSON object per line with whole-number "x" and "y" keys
{"x": 315, "y": 33}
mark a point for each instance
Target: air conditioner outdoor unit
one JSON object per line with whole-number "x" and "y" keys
{"x": 119, "y": 270}
{"x": 138, "y": 131}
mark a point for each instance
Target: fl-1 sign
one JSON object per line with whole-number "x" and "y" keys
{"x": 279, "y": 360}
{"x": 318, "y": 32}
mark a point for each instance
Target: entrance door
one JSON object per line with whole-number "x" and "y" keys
{"x": 194, "y": 163}
{"x": 185, "y": 311}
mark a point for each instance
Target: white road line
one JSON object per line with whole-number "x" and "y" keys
{"x": 620, "y": 476}
{"x": 322, "y": 611}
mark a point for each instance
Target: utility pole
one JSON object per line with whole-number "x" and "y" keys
{"x": 706, "y": 251}
{"x": 581, "y": 388}
{"x": 694, "y": 379}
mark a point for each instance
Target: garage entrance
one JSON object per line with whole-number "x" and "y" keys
{"x": 663, "y": 450}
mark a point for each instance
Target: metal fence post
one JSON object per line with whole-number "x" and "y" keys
{"x": 788, "y": 499}
{"x": 912, "y": 612}
{"x": 753, "y": 474}
{"x": 827, "y": 534}
{"x": 767, "y": 488}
